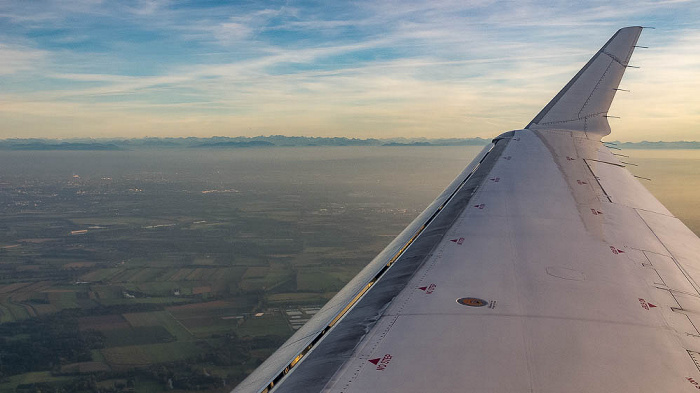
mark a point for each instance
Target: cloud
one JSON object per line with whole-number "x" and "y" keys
{"x": 14, "y": 58}
{"x": 36, "y": 14}
{"x": 148, "y": 7}
{"x": 443, "y": 68}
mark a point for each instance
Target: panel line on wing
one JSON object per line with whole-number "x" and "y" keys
{"x": 604, "y": 162}
{"x": 616, "y": 59}
{"x": 678, "y": 265}
{"x": 696, "y": 358}
{"x": 597, "y": 180}
{"x": 593, "y": 92}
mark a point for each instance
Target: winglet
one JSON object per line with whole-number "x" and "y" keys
{"x": 583, "y": 104}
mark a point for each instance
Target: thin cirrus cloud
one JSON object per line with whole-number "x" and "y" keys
{"x": 18, "y": 58}
{"x": 360, "y": 69}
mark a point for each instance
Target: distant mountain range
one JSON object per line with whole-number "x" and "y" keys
{"x": 276, "y": 141}
{"x": 18, "y": 144}
{"x": 658, "y": 145}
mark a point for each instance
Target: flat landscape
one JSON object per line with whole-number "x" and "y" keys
{"x": 154, "y": 270}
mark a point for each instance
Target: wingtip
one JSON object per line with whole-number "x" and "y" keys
{"x": 582, "y": 104}
{"x": 634, "y": 28}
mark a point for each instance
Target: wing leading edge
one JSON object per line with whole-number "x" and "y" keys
{"x": 544, "y": 267}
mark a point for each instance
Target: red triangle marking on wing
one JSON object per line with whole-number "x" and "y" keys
{"x": 651, "y": 305}
{"x": 422, "y": 288}
{"x": 375, "y": 361}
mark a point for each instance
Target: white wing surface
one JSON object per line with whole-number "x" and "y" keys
{"x": 544, "y": 267}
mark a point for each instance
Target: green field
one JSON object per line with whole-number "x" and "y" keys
{"x": 100, "y": 274}
{"x": 64, "y": 299}
{"x": 322, "y": 279}
{"x": 140, "y": 335}
{"x": 150, "y": 387}
{"x": 298, "y": 298}
{"x": 29, "y": 378}
{"x": 6, "y": 314}
{"x": 143, "y": 355}
{"x": 275, "y": 325}
{"x": 159, "y": 318}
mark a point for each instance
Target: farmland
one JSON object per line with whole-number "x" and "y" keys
{"x": 159, "y": 278}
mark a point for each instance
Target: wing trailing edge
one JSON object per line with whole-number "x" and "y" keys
{"x": 583, "y": 104}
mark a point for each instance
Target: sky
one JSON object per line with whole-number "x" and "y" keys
{"x": 363, "y": 69}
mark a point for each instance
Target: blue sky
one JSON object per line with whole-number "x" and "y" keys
{"x": 89, "y": 68}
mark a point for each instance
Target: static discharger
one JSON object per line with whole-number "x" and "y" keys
{"x": 472, "y": 302}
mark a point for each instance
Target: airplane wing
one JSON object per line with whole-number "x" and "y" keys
{"x": 544, "y": 267}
